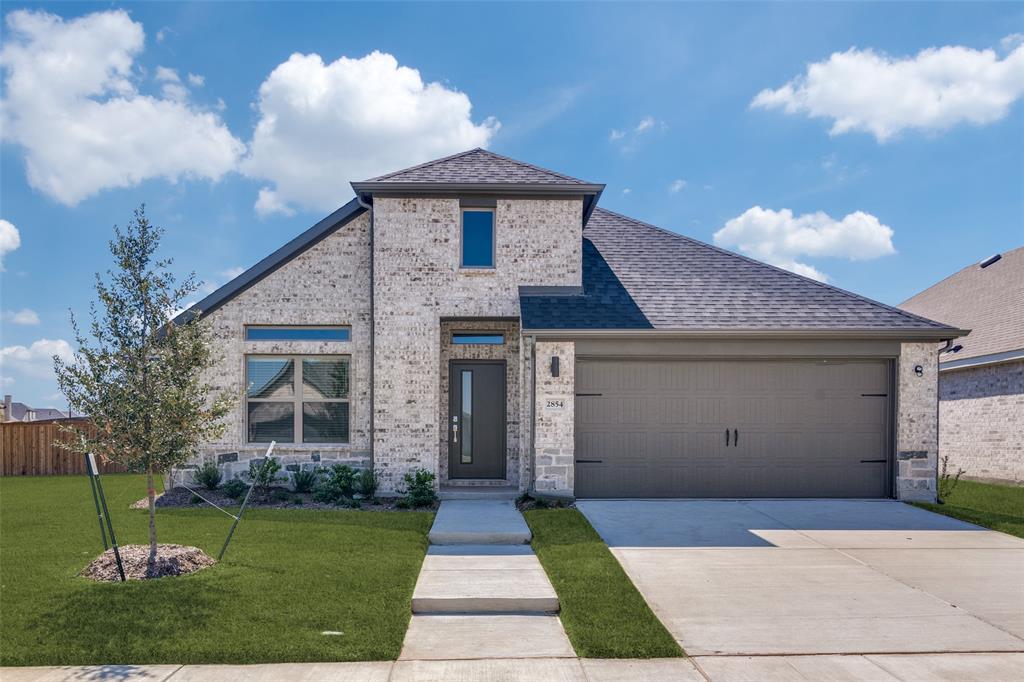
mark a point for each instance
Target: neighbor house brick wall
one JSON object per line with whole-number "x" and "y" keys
{"x": 327, "y": 284}
{"x": 917, "y": 422}
{"x": 555, "y": 417}
{"x": 981, "y": 421}
{"x": 418, "y": 281}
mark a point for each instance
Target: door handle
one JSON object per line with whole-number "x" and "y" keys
{"x": 455, "y": 433}
{"x": 727, "y": 438}
{"x": 735, "y": 437}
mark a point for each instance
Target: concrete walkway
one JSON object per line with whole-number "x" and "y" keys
{"x": 482, "y": 593}
{"x": 875, "y": 668}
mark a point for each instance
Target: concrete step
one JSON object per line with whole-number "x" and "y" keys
{"x": 483, "y": 579}
{"x": 466, "y": 492}
{"x": 479, "y": 522}
{"x": 461, "y": 636}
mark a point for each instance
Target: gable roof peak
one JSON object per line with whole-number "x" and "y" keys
{"x": 476, "y": 166}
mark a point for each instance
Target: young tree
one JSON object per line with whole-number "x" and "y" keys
{"x": 137, "y": 375}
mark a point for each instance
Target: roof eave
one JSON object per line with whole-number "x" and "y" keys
{"x": 752, "y": 333}
{"x": 981, "y": 360}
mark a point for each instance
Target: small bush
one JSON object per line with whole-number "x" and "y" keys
{"x": 947, "y": 482}
{"x": 368, "y": 483}
{"x": 419, "y": 488}
{"x": 195, "y": 499}
{"x": 297, "y": 500}
{"x": 339, "y": 484}
{"x": 305, "y": 480}
{"x": 350, "y": 502}
{"x": 234, "y": 488}
{"x": 402, "y": 503}
{"x": 264, "y": 475}
{"x": 208, "y": 476}
{"x": 280, "y": 495}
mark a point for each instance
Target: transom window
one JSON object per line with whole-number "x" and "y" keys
{"x": 485, "y": 338}
{"x": 290, "y": 395}
{"x": 281, "y": 333}
{"x": 478, "y": 237}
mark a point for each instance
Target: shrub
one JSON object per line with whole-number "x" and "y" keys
{"x": 264, "y": 474}
{"x": 339, "y": 484}
{"x": 234, "y": 488}
{"x": 305, "y": 480}
{"x": 419, "y": 488}
{"x": 280, "y": 495}
{"x": 368, "y": 483}
{"x": 195, "y": 499}
{"x": 402, "y": 503}
{"x": 297, "y": 500}
{"x": 947, "y": 482}
{"x": 208, "y": 476}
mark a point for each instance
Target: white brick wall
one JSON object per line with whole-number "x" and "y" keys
{"x": 916, "y": 422}
{"x": 982, "y": 421}
{"x": 555, "y": 421}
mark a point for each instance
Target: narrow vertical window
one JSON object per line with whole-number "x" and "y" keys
{"x": 477, "y": 238}
{"x": 467, "y": 417}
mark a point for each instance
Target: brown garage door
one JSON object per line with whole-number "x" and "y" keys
{"x": 733, "y": 428}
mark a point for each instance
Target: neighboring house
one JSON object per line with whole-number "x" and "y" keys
{"x": 20, "y": 412}
{"x": 981, "y": 378}
{"x": 482, "y": 318}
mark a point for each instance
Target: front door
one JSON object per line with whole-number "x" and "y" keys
{"x": 476, "y": 421}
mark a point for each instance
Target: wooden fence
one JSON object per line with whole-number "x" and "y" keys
{"x": 29, "y": 449}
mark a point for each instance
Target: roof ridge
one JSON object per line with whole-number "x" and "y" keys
{"x": 426, "y": 164}
{"x": 527, "y": 164}
{"x": 748, "y": 259}
{"x": 958, "y": 272}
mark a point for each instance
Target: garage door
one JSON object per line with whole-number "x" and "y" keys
{"x": 734, "y": 428}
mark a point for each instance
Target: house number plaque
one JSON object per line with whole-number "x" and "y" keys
{"x": 554, "y": 404}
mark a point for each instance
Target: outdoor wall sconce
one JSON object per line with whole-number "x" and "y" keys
{"x": 919, "y": 370}
{"x": 554, "y": 365}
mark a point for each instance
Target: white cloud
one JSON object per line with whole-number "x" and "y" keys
{"x": 71, "y": 102}
{"x": 862, "y": 90}
{"x": 677, "y": 186}
{"x": 322, "y": 125}
{"x": 626, "y": 191}
{"x": 268, "y": 203}
{"x": 196, "y": 80}
{"x": 25, "y": 316}
{"x": 1011, "y": 42}
{"x": 231, "y": 273}
{"x": 164, "y": 73}
{"x": 35, "y": 360}
{"x": 10, "y": 239}
{"x": 780, "y": 238}
{"x": 628, "y": 139}
{"x": 616, "y": 135}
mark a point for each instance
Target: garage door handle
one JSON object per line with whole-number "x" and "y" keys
{"x": 590, "y": 461}
{"x": 735, "y": 437}
{"x": 873, "y": 461}
{"x": 727, "y": 438}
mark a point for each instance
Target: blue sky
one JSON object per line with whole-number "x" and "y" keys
{"x": 865, "y": 161}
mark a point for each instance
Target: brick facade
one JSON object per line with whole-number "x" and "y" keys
{"x": 554, "y": 420}
{"x": 917, "y": 426}
{"x": 981, "y": 421}
{"x": 418, "y": 282}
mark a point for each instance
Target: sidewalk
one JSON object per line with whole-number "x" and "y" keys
{"x": 983, "y": 667}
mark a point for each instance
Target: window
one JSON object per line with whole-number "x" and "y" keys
{"x": 484, "y": 338}
{"x": 305, "y": 395}
{"x": 478, "y": 237}
{"x": 297, "y": 333}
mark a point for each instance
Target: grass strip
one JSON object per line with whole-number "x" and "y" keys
{"x": 603, "y": 613}
{"x": 999, "y": 507}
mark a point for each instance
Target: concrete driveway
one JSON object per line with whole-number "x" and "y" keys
{"x": 818, "y": 576}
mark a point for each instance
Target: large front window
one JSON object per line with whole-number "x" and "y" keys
{"x": 478, "y": 238}
{"x": 294, "y": 398}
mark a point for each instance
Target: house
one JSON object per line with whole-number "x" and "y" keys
{"x": 981, "y": 377}
{"x": 20, "y": 412}
{"x": 484, "y": 319}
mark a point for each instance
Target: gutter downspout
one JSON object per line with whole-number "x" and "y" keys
{"x": 373, "y": 340}
{"x": 533, "y": 414}
{"x": 938, "y": 416}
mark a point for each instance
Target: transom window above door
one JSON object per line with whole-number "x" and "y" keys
{"x": 294, "y": 398}
{"x": 477, "y": 238}
{"x": 296, "y": 333}
{"x": 481, "y": 338}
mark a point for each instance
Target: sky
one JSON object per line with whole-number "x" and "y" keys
{"x": 876, "y": 146}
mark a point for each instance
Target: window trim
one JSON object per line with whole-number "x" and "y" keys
{"x": 297, "y": 399}
{"x": 494, "y": 237}
{"x": 472, "y": 332}
{"x": 344, "y": 327}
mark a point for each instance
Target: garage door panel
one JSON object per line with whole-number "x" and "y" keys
{"x": 658, "y": 428}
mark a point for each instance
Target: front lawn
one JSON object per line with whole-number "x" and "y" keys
{"x": 999, "y": 507}
{"x": 603, "y": 613}
{"x": 288, "y": 576}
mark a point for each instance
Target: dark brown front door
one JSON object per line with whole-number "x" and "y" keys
{"x": 476, "y": 421}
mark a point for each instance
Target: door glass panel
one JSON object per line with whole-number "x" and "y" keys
{"x": 466, "y": 449}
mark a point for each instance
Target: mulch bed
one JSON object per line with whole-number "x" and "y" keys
{"x": 171, "y": 560}
{"x": 527, "y": 503}
{"x": 182, "y": 497}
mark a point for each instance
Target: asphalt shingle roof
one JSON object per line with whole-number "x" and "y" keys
{"x": 637, "y": 276}
{"x": 989, "y": 301}
{"x": 478, "y": 166}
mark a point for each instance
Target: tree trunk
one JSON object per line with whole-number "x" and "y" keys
{"x": 151, "y": 494}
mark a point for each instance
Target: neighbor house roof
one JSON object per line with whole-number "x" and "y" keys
{"x": 640, "y": 277}
{"x": 989, "y": 300}
{"x": 22, "y": 412}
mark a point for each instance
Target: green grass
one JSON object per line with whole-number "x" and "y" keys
{"x": 603, "y": 613}
{"x": 288, "y": 576}
{"x": 999, "y": 507}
